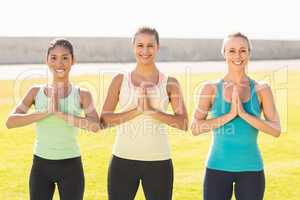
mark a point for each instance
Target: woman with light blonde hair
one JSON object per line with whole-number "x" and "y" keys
{"x": 236, "y": 102}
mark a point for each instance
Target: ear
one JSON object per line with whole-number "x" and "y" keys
{"x": 46, "y": 60}
{"x": 158, "y": 47}
{"x": 74, "y": 60}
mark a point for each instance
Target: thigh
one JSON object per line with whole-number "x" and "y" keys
{"x": 218, "y": 185}
{"x": 250, "y": 185}
{"x": 157, "y": 180}
{"x": 40, "y": 184}
{"x": 123, "y": 179}
{"x": 71, "y": 180}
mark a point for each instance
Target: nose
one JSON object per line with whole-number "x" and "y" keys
{"x": 237, "y": 56}
{"x": 59, "y": 61}
{"x": 144, "y": 50}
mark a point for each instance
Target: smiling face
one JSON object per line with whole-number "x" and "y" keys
{"x": 60, "y": 61}
{"x": 236, "y": 53}
{"x": 145, "y": 48}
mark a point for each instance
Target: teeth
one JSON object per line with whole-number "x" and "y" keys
{"x": 59, "y": 70}
{"x": 145, "y": 56}
{"x": 237, "y": 62}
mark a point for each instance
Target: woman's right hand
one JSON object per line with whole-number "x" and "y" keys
{"x": 141, "y": 99}
{"x": 144, "y": 105}
{"x": 53, "y": 100}
{"x": 234, "y": 102}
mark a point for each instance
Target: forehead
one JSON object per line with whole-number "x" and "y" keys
{"x": 59, "y": 49}
{"x": 236, "y": 42}
{"x": 145, "y": 37}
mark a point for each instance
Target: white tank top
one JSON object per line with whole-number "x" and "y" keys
{"x": 143, "y": 138}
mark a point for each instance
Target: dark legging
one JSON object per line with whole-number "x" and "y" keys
{"x": 67, "y": 174}
{"x": 218, "y": 185}
{"x": 125, "y": 175}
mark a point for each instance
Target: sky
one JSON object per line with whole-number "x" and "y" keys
{"x": 259, "y": 19}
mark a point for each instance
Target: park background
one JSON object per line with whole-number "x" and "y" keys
{"x": 191, "y": 34}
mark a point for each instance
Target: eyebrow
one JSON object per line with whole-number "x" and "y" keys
{"x": 65, "y": 54}
{"x": 151, "y": 43}
{"x": 238, "y": 48}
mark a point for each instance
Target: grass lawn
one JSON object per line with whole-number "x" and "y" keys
{"x": 281, "y": 155}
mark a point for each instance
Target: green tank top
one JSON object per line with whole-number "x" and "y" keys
{"x": 55, "y": 138}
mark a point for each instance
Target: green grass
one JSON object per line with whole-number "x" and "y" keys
{"x": 281, "y": 156}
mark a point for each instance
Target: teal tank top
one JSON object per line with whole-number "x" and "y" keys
{"x": 56, "y": 139}
{"x": 234, "y": 147}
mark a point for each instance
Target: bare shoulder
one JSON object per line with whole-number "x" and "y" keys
{"x": 263, "y": 90}
{"x": 262, "y": 86}
{"x": 29, "y": 97}
{"x": 32, "y": 92}
{"x": 209, "y": 87}
{"x": 116, "y": 82}
{"x": 34, "y": 89}
{"x": 118, "y": 78}
{"x": 84, "y": 93}
{"x": 173, "y": 85}
{"x": 172, "y": 81}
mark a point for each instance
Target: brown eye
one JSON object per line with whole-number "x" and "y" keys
{"x": 53, "y": 58}
{"x": 65, "y": 58}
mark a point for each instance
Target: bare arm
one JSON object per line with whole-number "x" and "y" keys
{"x": 91, "y": 120}
{"x": 271, "y": 124}
{"x": 108, "y": 116}
{"x": 19, "y": 116}
{"x": 200, "y": 123}
{"x": 180, "y": 118}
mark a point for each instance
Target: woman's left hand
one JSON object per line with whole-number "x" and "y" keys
{"x": 240, "y": 108}
{"x": 53, "y": 104}
{"x": 147, "y": 108}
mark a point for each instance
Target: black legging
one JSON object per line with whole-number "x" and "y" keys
{"x": 67, "y": 174}
{"x": 218, "y": 185}
{"x": 125, "y": 175}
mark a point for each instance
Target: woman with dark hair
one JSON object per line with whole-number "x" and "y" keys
{"x": 58, "y": 116}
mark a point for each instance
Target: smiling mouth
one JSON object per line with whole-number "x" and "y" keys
{"x": 237, "y": 62}
{"x": 143, "y": 56}
{"x": 60, "y": 70}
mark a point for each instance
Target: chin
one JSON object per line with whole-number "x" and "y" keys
{"x": 240, "y": 70}
{"x": 63, "y": 76}
{"x": 237, "y": 67}
{"x": 146, "y": 62}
